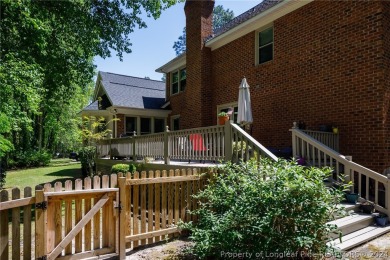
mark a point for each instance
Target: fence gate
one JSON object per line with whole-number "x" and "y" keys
{"x": 153, "y": 205}
{"x": 76, "y": 224}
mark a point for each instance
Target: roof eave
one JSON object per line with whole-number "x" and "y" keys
{"x": 173, "y": 64}
{"x": 256, "y": 22}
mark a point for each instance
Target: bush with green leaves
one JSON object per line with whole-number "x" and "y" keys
{"x": 275, "y": 207}
{"x": 30, "y": 158}
{"x": 123, "y": 168}
{"x": 3, "y": 174}
{"x": 87, "y": 160}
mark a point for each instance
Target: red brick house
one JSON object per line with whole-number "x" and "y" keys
{"x": 320, "y": 62}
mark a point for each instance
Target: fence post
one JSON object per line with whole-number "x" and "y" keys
{"x": 40, "y": 224}
{"x": 294, "y": 140}
{"x": 166, "y": 146}
{"x": 228, "y": 141}
{"x": 122, "y": 217}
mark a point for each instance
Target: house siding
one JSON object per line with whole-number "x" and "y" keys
{"x": 386, "y": 57}
{"x": 331, "y": 66}
{"x": 195, "y": 106}
{"x": 327, "y": 69}
{"x": 120, "y": 124}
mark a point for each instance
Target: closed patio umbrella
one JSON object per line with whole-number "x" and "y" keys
{"x": 244, "y": 104}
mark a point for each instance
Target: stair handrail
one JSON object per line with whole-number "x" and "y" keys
{"x": 252, "y": 141}
{"x": 350, "y": 169}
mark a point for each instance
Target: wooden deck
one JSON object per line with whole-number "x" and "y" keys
{"x": 104, "y": 165}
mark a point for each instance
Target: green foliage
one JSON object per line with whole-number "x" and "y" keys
{"x": 123, "y": 168}
{"x": 241, "y": 211}
{"x": 240, "y": 148}
{"x": 87, "y": 160}
{"x": 3, "y": 174}
{"x": 46, "y": 68}
{"x": 95, "y": 129}
{"x": 30, "y": 158}
{"x": 5, "y": 145}
{"x": 222, "y": 114}
{"x": 220, "y": 17}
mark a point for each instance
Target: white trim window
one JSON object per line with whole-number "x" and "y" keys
{"x": 225, "y": 108}
{"x": 175, "y": 123}
{"x": 266, "y": 45}
{"x": 178, "y": 81}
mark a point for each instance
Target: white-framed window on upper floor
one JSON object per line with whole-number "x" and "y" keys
{"x": 178, "y": 81}
{"x": 265, "y": 45}
{"x": 225, "y": 108}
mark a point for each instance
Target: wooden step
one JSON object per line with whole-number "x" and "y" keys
{"x": 358, "y": 237}
{"x": 346, "y": 209}
{"x": 352, "y": 223}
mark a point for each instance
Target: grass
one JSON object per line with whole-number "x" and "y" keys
{"x": 61, "y": 162}
{"x": 39, "y": 176}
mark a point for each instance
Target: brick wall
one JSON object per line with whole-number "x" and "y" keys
{"x": 195, "y": 100}
{"x": 386, "y": 107}
{"x": 120, "y": 124}
{"x": 327, "y": 69}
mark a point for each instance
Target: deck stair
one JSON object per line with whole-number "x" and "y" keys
{"x": 356, "y": 228}
{"x": 317, "y": 149}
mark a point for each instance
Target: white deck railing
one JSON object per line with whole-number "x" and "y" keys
{"x": 327, "y": 138}
{"x": 214, "y": 143}
{"x": 205, "y": 143}
{"x": 371, "y": 185}
{"x": 245, "y": 146}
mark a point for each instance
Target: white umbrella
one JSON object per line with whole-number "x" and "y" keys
{"x": 244, "y": 104}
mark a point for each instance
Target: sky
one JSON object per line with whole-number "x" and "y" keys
{"x": 152, "y": 46}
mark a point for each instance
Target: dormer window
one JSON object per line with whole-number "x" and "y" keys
{"x": 179, "y": 81}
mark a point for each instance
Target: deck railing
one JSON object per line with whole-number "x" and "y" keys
{"x": 245, "y": 146}
{"x": 214, "y": 143}
{"x": 205, "y": 143}
{"x": 372, "y": 186}
{"x": 327, "y": 138}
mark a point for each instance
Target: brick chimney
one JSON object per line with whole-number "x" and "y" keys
{"x": 198, "y": 95}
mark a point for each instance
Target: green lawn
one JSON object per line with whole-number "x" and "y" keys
{"x": 37, "y": 176}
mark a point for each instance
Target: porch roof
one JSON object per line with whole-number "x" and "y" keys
{"x": 133, "y": 92}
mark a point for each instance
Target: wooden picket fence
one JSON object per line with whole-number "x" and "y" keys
{"x": 99, "y": 216}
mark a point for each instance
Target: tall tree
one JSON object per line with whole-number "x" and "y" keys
{"x": 46, "y": 60}
{"x": 220, "y": 17}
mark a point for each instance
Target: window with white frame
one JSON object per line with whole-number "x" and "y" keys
{"x": 266, "y": 45}
{"x": 131, "y": 125}
{"x": 175, "y": 123}
{"x": 226, "y": 107}
{"x": 179, "y": 81}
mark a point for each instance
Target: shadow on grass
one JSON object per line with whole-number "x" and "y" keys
{"x": 63, "y": 176}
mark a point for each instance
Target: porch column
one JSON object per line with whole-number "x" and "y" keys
{"x": 138, "y": 125}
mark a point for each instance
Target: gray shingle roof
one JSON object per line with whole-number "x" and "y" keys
{"x": 133, "y": 92}
{"x": 94, "y": 106}
{"x": 263, "y": 6}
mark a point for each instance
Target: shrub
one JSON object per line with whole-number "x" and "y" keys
{"x": 240, "y": 148}
{"x": 87, "y": 160}
{"x": 123, "y": 168}
{"x": 31, "y": 158}
{"x": 3, "y": 174}
{"x": 240, "y": 211}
